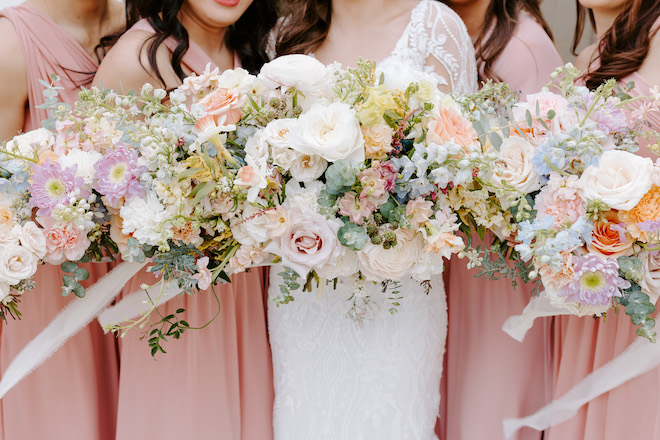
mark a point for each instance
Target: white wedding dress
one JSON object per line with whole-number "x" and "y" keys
{"x": 335, "y": 379}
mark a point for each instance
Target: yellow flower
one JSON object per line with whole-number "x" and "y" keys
{"x": 379, "y": 100}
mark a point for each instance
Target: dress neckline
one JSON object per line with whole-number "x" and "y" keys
{"x": 66, "y": 34}
{"x": 406, "y": 31}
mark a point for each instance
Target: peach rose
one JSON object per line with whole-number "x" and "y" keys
{"x": 6, "y": 217}
{"x": 607, "y": 240}
{"x": 116, "y": 234}
{"x": 224, "y": 102}
{"x": 648, "y": 209}
{"x": 451, "y": 126}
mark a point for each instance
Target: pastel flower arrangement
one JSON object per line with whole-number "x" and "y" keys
{"x": 584, "y": 206}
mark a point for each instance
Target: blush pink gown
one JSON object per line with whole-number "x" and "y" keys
{"x": 490, "y": 376}
{"x": 631, "y": 411}
{"x": 73, "y": 395}
{"x": 214, "y": 383}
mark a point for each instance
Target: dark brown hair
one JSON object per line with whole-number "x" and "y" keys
{"x": 502, "y": 18}
{"x": 625, "y": 45}
{"x": 247, "y": 37}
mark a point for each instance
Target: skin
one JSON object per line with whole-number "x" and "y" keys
{"x": 352, "y": 36}
{"x": 86, "y": 20}
{"x": 605, "y": 12}
{"x": 206, "y": 22}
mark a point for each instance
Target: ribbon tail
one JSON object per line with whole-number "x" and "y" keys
{"x": 540, "y": 306}
{"x": 67, "y": 323}
{"x": 640, "y": 357}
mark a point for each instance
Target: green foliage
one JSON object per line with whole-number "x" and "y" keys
{"x": 71, "y": 283}
{"x": 290, "y": 283}
{"x": 640, "y": 308}
{"x": 353, "y": 236}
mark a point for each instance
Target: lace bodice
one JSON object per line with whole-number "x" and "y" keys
{"x": 435, "y": 41}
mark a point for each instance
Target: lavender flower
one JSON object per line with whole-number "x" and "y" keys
{"x": 52, "y": 185}
{"x": 119, "y": 175}
{"x": 609, "y": 118}
{"x": 596, "y": 281}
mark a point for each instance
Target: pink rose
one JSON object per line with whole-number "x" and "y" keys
{"x": 310, "y": 242}
{"x": 65, "y": 243}
{"x": 450, "y": 126}
{"x": 224, "y": 102}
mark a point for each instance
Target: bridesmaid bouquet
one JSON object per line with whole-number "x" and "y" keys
{"x": 586, "y": 209}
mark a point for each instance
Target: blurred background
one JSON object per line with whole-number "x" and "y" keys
{"x": 559, "y": 13}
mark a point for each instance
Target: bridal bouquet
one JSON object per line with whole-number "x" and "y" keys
{"x": 586, "y": 209}
{"x": 355, "y": 182}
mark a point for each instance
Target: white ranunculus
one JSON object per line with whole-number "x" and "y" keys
{"x": 17, "y": 263}
{"x": 241, "y": 80}
{"x": 310, "y": 242}
{"x": 303, "y": 72}
{"x": 333, "y": 132}
{"x": 303, "y": 198}
{"x": 514, "y": 166}
{"x": 651, "y": 272}
{"x": 307, "y": 168}
{"x": 32, "y": 143}
{"x": 378, "y": 263}
{"x": 620, "y": 180}
{"x": 33, "y": 239}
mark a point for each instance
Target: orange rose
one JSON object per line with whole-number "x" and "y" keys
{"x": 608, "y": 241}
{"x": 648, "y": 209}
{"x": 451, "y": 126}
{"x": 224, "y": 102}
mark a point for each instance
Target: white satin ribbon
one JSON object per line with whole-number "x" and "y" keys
{"x": 67, "y": 323}
{"x": 640, "y": 357}
{"x": 539, "y": 306}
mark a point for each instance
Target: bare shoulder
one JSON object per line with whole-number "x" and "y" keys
{"x": 13, "y": 81}
{"x": 650, "y": 67}
{"x": 126, "y": 66}
{"x": 586, "y": 57}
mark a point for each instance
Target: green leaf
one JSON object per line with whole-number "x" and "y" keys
{"x": 495, "y": 139}
{"x": 187, "y": 173}
{"x": 529, "y": 119}
{"x": 69, "y": 266}
{"x": 79, "y": 291}
{"x": 202, "y": 193}
{"x": 81, "y": 274}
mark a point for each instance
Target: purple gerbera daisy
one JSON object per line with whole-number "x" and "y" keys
{"x": 118, "y": 175}
{"x": 596, "y": 281}
{"x": 52, "y": 185}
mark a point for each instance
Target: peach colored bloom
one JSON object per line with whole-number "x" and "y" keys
{"x": 607, "y": 240}
{"x": 6, "y": 217}
{"x": 224, "y": 102}
{"x": 116, "y": 234}
{"x": 451, "y": 126}
{"x": 557, "y": 279}
{"x": 648, "y": 209}
{"x": 187, "y": 233}
{"x": 419, "y": 211}
{"x": 65, "y": 243}
{"x": 377, "y": 140}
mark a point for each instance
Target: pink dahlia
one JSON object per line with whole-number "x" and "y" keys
{"x": 596, "y": 281}
{"x": 53, "y": 185}
{"x": 118, "y": 175}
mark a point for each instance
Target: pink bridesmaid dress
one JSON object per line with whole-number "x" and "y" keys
{"x": 490, "y": 376}
{"x": 631, "y": 411}
{"x": 214, "y": 383}
{"x": 73, "y": 395}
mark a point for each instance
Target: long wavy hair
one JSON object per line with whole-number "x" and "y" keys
{"x": 624, "y": 46}
{"x": 501, "y": 20}
{"x": 247, "y": 37}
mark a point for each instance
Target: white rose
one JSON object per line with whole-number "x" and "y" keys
{"x": 333, "y": 132}
{"x": 32, "y": 143}
{"x": 252, "y": 228}
{"x": 17, "y": 263}
{"x": 303, "y": 72}
{"x": 378, "y": 263}
{"x": 284, "y": 157}
{"x": 303, "y": 198}
{"x": 256, "y": 146}
{"x": 514, "y": 166}
{"x": 347, "y": 265}
{"x": 651, "y": 272}
{"x": 33, "y": 239}
{"x": 620, "y": 180}
{"x": 9, "y": 236}
{"x": 310, "y": 242}
{"x": 5, "y": 290}
{"x": 307, "y": 168}
{"x": 399, "y": 77}
{"x": 277, "y": 132}
{"x": 241, "y": 80}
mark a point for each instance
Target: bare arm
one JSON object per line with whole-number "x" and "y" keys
{"x": 126, "y": 66}
{"x": 13, "y": 82}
